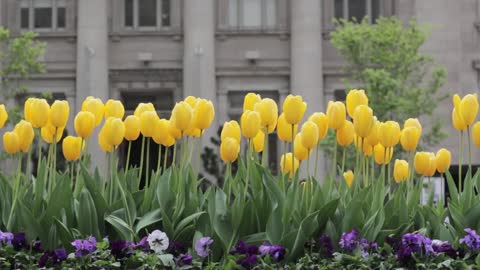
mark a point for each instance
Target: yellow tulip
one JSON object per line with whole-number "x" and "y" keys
{"x": 84, "y": 123}
{"x": 259, "y": 141}
{"x": 103, "y": 141}
{"x": 321, "y": 120}
{"x": 203, "y": 114}
{"x": 469, "y": 108}
{"x": 40, "y": 112}
{"x": 442, "y": 160}
{"x": 169, "y": 141}
{"x": 229, "y": 149}
{"x": 160, "y": 131}
{"x": 336, "y": 114}
{"x": 147, "y": 120}
{"x": 294, "y": 108}
{"x": 114, "y": 108}
{"x": 372, "y": 138}
{"x": 251, "y": 123}
{"x": 381, "y": 154}
{"x": 250, "y": 100}
{"x": 143, "y": 107}
{"x": 389, "y": 133}
{"x": 409, "y": 138}
{"x": 114, "y": 131}
{"x": 25, "y": 134}
{"x": 182, "y": 115}
{"x": 476, "y": 134}
{"x": 11, "y": 142}
{"x": 367, "y": 149}
{"x": 432, "y": 165}
{"x": 400, "y": 170}
{"x": 345, "y": 134}
{"x": 348, "y": 177}
{"x": 192, "y": 132}
{"x": 413, "y": 122}
{"x": 300, "y": 151}
{"x": 231, "y": 129}
{"x": 72, "y": 148}
{"x": 59, "y": 113}
{"x": 3, "y": 115}
{"x": 284, "y": 129}
{"x": 421, "y": 162}
{"x": 132, "y": 127}
{"x": 268, "y": 110}
{"x": 309, "y": 135}
{"x": 363, "y": 120}
{"x": 173, "y": 130}
{"x": 191, "y": 100}
{"x": 355, "y": 98}
{"x": 457, "y": 121}
{"x": 95, "y": 106}
{"x": 286, "y": 164}
{"x": 48, "y": 132}
{"x": 27, "y": 109}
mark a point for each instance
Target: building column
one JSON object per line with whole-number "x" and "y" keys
{"x": 92, "y": 61}
{"x": 199, "y": 56}
{"x": 306, "y": 76}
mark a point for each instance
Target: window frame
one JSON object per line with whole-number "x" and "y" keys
{"x": 240, "y": 24}
{"x": 53, "y": 6}
{"x": 368, "y": 11}
{"x": 136, "y": 17}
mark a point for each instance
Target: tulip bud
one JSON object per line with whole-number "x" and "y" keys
{"x": 95, "y": 106}
{"x": 103, "y": 141}
{"x": 143, "y": 107}
{"x": 300, "y": 151}
{"x": 457, "y": 120}
{"x": 409, "y": 138}
{"x": 48, "y": 133}
{"x": 259, "y": 141}
{"x": 231, "y": 129}
{"x": 363, "y": 120}
{"x": 400, "y": 170}
{"x": 27, "y": 109}
{"x": 321, "y": 120}
{"x": 132, "y": 127}
{"x": 72, "y": 148}
{"x": 294, "y": 108}
{"x": 348, "y": 177}
{"x": 84, "y": 123}
{"x": 469, "y": 108}
{"x": 114, "y": 131}
{"x": 40, "y": 112}
{"x": 413, "y": 122}
{"x": 192, "y": 101}
{"x": 284, "y": 129}
{"x": 309, "y": 135}
{"x": 203, "y": 114}
{"x": 59, "y": 112}
{"x": 432, "y": 165}
{"x": 336, "y": 114}
{"x": 372, "y": 138}
{"x": 250, "y": 122}
{"x": 229, "y": 149}
{"x": 268, "y": 110}
{"x": 3, "y": 115}
{"x": 345, "y": 134}
{"x": 286, "y": 164}
{"x": 160, "y": 131}
{"x": 147, "y": 120}
{"x": 355, "y": 98}
{"x": 421, "y": 162}
{"x": 182, "y": 115}
{"x": 114, "y": 108}
{"x": 11, "y": 142}
{"x": 382, "y": 155}
{"x": 389, "y": 133}
{"x": 25, "y": 134}
{"x": 443, "y": 159}
{"x": 476, "y": 134}
{"x": 250, "y": 100}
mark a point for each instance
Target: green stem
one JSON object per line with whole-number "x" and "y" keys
{"x": 265, "y": 149}
{"x": 141, "y": 157}
{"x": 308, "y": 165}
{"x": 159, "y": 157}
{"x": 460, "y": 163}
{"x": 174, "y": 153}
{"x": 228, "y": 182}
{"x": 29, "y": 160}
{"x": 293, "y": 151}
{"x": 199, "y": 155}
{"x": 39, "y": 155}
{"x": 165, "y": 159}
{"x": 249, "y": 149}
{"x": 335, "y": 160}
{"x": 343, "y": 159}
{"x": 315, "y": 172}
{"x": 147, "y": 165}
{"x": 469, "y": 153}
{"x": 128, "y": 155}
{"x": 15, "y": 193}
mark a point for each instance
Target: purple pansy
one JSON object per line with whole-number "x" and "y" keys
{"x": 414, "y": 243}
{"x": 471, "y": 240}
{"x": 121, "y": 248}
{"x": 55, "y": 257}
{"x": 142, "y": 245}
{"x": 184, "y": 259}
{"x": 84, "y": 247}
{"x": 202, "y": 246}
{"x": 244, "y": 248}
{"x": 276, "y": 252}
{"x": 248, "y": 261}
{"x": 326, "y": 245}
{"x": 19, "y": 241}
{"x": 176, "y": 248}
{"x": 443, "y": 247}
{"x": 349, "y": 241}
{"x": 6, "y": 238}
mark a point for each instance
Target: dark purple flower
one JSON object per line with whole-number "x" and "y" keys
{"x": 248, "y": 261}
{"x": 326, "y": 245}
{"x": 244, "y": 248}
{"x": 120, "y": 248}
{"x": 202, "y": 246}
{"x": 276, "y": 252}
{"x": 19, "y": 241}
{"x": 55, "y": 257}
{"x": 85, "y": 247}
{"x": 349, "y": 241}
{"x": 413, "y": 243}
{"x": 6, "y": 238}
{"x": 183, "y": 259}
{"x": 176, "y": 248}
{"x": 59, "y": 255}
{"x": 443, "y": 247}
{"x": 37, "y": 246}
{"x": 471, "y": 240}
{"x": 143, "y": 245}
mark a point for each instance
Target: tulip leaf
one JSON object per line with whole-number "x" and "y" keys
{"x": 326, "y": 213}
{"x": 185, "y": 222}
{"x": 256, "y": 238}
{"x": 148, "y": 219}
{"x": 274, "y": 229}
{"x": 120, "y": 226}
{"x": 86, "y": 214}
{"x": 452, "y": 187}
{"x": 305, "y": 232}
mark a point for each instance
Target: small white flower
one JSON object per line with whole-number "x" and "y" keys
{"x": 158, "y": 241}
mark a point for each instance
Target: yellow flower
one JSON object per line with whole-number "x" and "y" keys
{"x": 409, "y": 138}
{"x": 286, "y": 164}
{"x": 367, "y": 149}
{"x": 250, "y": 100}
{"x": 84, "y": 123}
{"x": 355, "y": 98}
{"x": 231, "y": 129}
{"x": 114, "y": 131}
{"x": 372, "y": 138}
{"x": 284, "y": 129}
{"x": 143, "y": 107}
{"x": 3, "y": 115}
{"x": 259, "y": 141}
{"x": 363, "y": 120}
{"x": 191, "y": 100}
{"x": 389, "y": 133}
{"x": 443, "y": 159}
{"x": 336, "y": 114}
{"x": 114, "y": 108}
{"x": 421, "y": 162}
{"x": 300, "y": 151}
{"x": 40, "y": 112}
{"x": 469, "y": 108}
{"x": 11, "y": 142}
{"x": 192, "y": 132}
{"x": 72, "y": 147}
{"x": 103, "y": 141}
{"x": 95, "y": 106}
{"x": 169, "y": 141}
{"x": 348, "y": 177}
{"x": 400, "y": 170}
{"x": 250, "y": 122}
{"x": 132, "y": 127}
{"x": 173, "y": 130}
{"x": 160, "y": 131}
{"x": 345, "y": 134}
{"x": 413, "y": 122}
{"x": 48, "y": 131}
{"x": 476, "y": 134}
{"x": 381, "y": 154}
{"x": 294, "y": 108}
{"x": 457, "y": 121}
{"x": 182, "y": 115}
{"x": 27, "y": 109}
{"x": 25, "y": 134}
{"x": 59, "y": 113}
{"x": 321, "y": 120}
{"x": 309, "y": 135}
{"x": 147, "y": 119}
{"x": 203, "y": 114}
{"x": 432, "y": 165}
{"x": 268, "y": 110}
{"x": 229, "y": 149}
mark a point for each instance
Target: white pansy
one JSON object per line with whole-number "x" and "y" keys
{"x": 158, "y": 241}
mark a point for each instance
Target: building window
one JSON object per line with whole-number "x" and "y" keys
{"x": 147, "y": 14}
{"x": 43, "y": 15}
{"x": 356, "y": 10}
{"x": 252, "y": 14}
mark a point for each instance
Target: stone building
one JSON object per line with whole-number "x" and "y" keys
{"x": 163, "y": 50}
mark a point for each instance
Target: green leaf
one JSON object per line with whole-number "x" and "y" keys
{"x": 304, "y": 233}
{"x": 120, "y": 226}
{"x": 185, "y": 222}
{"x": 148, "y": 219}
{"x": 86, "y": 214}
